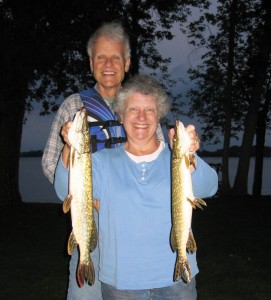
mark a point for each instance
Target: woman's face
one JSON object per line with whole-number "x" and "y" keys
{"x": 140, "y": 118}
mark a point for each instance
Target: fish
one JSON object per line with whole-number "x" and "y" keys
{"x": 80, "y": 198}
{"x": 183, "y": 202}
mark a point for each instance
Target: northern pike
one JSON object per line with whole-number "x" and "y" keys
{"x": 183, "y": 201}
{"x": 79, "y": 200}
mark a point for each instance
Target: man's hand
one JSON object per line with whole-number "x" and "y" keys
{"x": 65, "y": 131}
{"x": 67, "y": 147}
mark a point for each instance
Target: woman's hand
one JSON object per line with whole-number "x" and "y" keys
{"x": 194, "y": 146}
{"x": 195, "y": 141}
{"x": 96, "y": 204}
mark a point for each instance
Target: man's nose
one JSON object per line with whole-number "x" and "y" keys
{"x": 108, "y": 62}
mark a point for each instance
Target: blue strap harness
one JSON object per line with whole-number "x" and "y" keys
{"x": 105, "y": 129}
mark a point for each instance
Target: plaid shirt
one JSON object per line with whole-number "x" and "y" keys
{"x": 55, "y": 144}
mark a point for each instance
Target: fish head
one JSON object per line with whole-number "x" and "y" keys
{"x": 79, "y": 135}
{"x": 181, "y": 140}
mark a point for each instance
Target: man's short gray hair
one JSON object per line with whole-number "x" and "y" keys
{"x": 145, "y": 85}
{"x": 114, "y": 31}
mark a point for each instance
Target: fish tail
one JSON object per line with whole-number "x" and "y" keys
{"x": 86, "y": 272}
{"x": 182, "y": 270}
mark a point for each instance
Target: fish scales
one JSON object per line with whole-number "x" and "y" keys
{"x": 183, "y": 202}
{"x": 80, "y": 200}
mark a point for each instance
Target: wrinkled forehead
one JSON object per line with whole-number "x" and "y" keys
{"x": 108, "y": 44}
{"x": 141, "y": 99}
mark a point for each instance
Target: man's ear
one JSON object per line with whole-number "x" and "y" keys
{"x": 127, "y": 64}
{"x": 91, "y": 64}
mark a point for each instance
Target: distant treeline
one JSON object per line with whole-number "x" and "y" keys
{"x": 234, "y": 152}
{"x": 37, "y": 153}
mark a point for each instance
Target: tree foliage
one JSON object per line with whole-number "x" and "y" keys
{"x": 226, "y": 79}
{"x": 43, "y": 56}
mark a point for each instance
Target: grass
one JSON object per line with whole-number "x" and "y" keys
{"x": 233, "y": 237}
{"x": 232, "y": 234}
{"x": 34, "y": 261}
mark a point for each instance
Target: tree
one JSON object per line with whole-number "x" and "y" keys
{"x": 260, "y": 66}
{"x": 40, "y": 58}
{"x": 149, "y": 22}
{"x": 225, "y": 78}
{"x": 262, "y": 122}
{"x": 43, "y": 56}
{"x": 216, "y": 97}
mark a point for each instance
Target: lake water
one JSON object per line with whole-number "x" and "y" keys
{"x": 35, "y": 187}
{"x": 233, "y": 164}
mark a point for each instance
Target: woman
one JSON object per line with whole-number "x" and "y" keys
{"x": 132, "y": 183}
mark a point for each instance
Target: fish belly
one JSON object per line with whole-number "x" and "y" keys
{"x": 181, "y": 214}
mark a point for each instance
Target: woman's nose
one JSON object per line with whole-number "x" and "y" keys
{"x": 141, "y": 114}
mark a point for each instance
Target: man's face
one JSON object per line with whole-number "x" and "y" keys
{"x": 108, "y": 65}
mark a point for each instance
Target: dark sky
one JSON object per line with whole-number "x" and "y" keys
{"x": 36, "y": 129}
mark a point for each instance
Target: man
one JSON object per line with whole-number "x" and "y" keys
{"x": 109, "y": 52}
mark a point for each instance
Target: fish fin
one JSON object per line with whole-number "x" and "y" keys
{"x": 199, "y": 203}
{"x": 72, "y": 156}
{"x": 72, "y": 243}
{"x": 187, "y": 161}
{"x": 173, "y": 240}
{"x": 182, "y": 270}
{"x": 192, "y": 160}
{"x": 86, "y": 272}
{"x": 94, "y": 237}
{"x": 192, "y": 201}
{"x": 191, "y": 245}
{"x": 67, "y": 204}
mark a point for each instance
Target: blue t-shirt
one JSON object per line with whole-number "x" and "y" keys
{"x": 135, "y": 216}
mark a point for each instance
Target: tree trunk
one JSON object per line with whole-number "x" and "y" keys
{"x": 225, "y": 188}
{"x": 225, "y": 185}
{"x": 260, "y": 134}
{"x": 11, "y": 122}
{"x": 260, "y": 141}
{"x": 240, "y": 183}
{"x": 134, "y": 27}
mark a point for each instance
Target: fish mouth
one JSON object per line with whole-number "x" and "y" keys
{"x": 83, "y": 111}
{"x": 177, "y": 128}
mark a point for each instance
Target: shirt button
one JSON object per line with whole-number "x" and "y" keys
{"x": 142, "y": 178}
